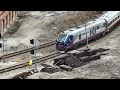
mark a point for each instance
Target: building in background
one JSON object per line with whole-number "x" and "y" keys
{"x": 6, "y": 18}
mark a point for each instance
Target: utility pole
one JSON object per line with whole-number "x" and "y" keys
{"x": 86, "y": 35}
{"x": 35, "y": 57}
{"x": 86, "y": 31}
{"x": 3, "y": 47}
{"x": 34, "y": 51}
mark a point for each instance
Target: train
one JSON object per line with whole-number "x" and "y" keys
{"x": 94, "y": 29}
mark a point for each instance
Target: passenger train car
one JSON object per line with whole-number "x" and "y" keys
{"x": 94, "y": 29}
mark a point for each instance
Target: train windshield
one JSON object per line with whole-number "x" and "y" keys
{"x": 61, "y": 37}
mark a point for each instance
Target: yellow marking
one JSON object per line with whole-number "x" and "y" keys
{"x": 16, "y": 61}
{"x": 30, "y": 63}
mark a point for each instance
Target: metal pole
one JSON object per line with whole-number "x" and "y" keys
{"x": 3, "y": 48}
{"x": 35, "y": 57}
{"x": 86, "y": 31}
{"x": 86, "y": 35}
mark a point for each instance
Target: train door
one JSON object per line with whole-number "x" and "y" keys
{"x": 93, "y": 31}
{"x": 71, "y": 39}
{"x": 106, "y": 25}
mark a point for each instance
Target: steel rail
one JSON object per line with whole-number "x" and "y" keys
{"x": 26, "y": 63}
{"x": 28, "y": 50}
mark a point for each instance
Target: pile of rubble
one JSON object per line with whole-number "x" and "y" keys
{"x": 78, "y": 58}
{"x": 25, "y": 74}
{"x": 50, "y": 70}
{"x": 74, "y": 59}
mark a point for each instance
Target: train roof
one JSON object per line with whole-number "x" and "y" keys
{"x": 109, "y": 14}
{"x": 82, "y": 27}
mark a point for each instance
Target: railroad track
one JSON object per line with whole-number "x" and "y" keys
{"x": 26, "y": 63}
{"x": 27, "y": 50}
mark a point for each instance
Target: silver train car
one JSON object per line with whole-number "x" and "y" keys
{"x": 94, "y": 29}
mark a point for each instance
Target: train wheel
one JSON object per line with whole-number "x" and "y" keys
{"x": 95, "y": 38}
{"x": 75, "y": 46}
{"x": 104, "y": 33}
{"x": 108, "y": 30}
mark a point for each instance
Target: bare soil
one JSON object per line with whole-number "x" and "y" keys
{"x": 42, "y": 26}
{"x": 45, "y": 26}
{"x": 107, "y": 67}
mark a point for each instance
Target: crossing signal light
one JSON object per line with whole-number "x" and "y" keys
{"x": 32, "y": 52}
{"x": 0, "y": 45}
{"x": 32, "y": 41}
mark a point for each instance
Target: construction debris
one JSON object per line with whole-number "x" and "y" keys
{"x": 79, "y": 58}
{"x": 24, "y": 74}
{"x": 45, "y": 65}
{"x": 65, "y": 67}
{"x": 50, "y": 70}
{"x": 79, "y": 78}
{"x": 74, "y": 59}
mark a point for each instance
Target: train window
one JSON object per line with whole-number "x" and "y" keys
{"x": 90, "y": 32}
{"x": 79, "y": 36}
{"x": 97, "y": 27}
{"x": 94, "y": 30}
{"x": 104, "y": 24}
{"x": 84, "y": 33}
{"x": 110, "y": 22}
{"x": 113, "y": 20}
{"x": 62, "y": 37}
{"x": 87, "y": 32}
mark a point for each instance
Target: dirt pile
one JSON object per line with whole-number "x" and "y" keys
{"x": 80, "y": 58}
{"x": 24, "y": 74}
{"x": 74, "y": 60}
{"x": 50, "y": 70}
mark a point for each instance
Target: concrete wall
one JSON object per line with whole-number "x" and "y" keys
{"x": 6, "y": 18}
